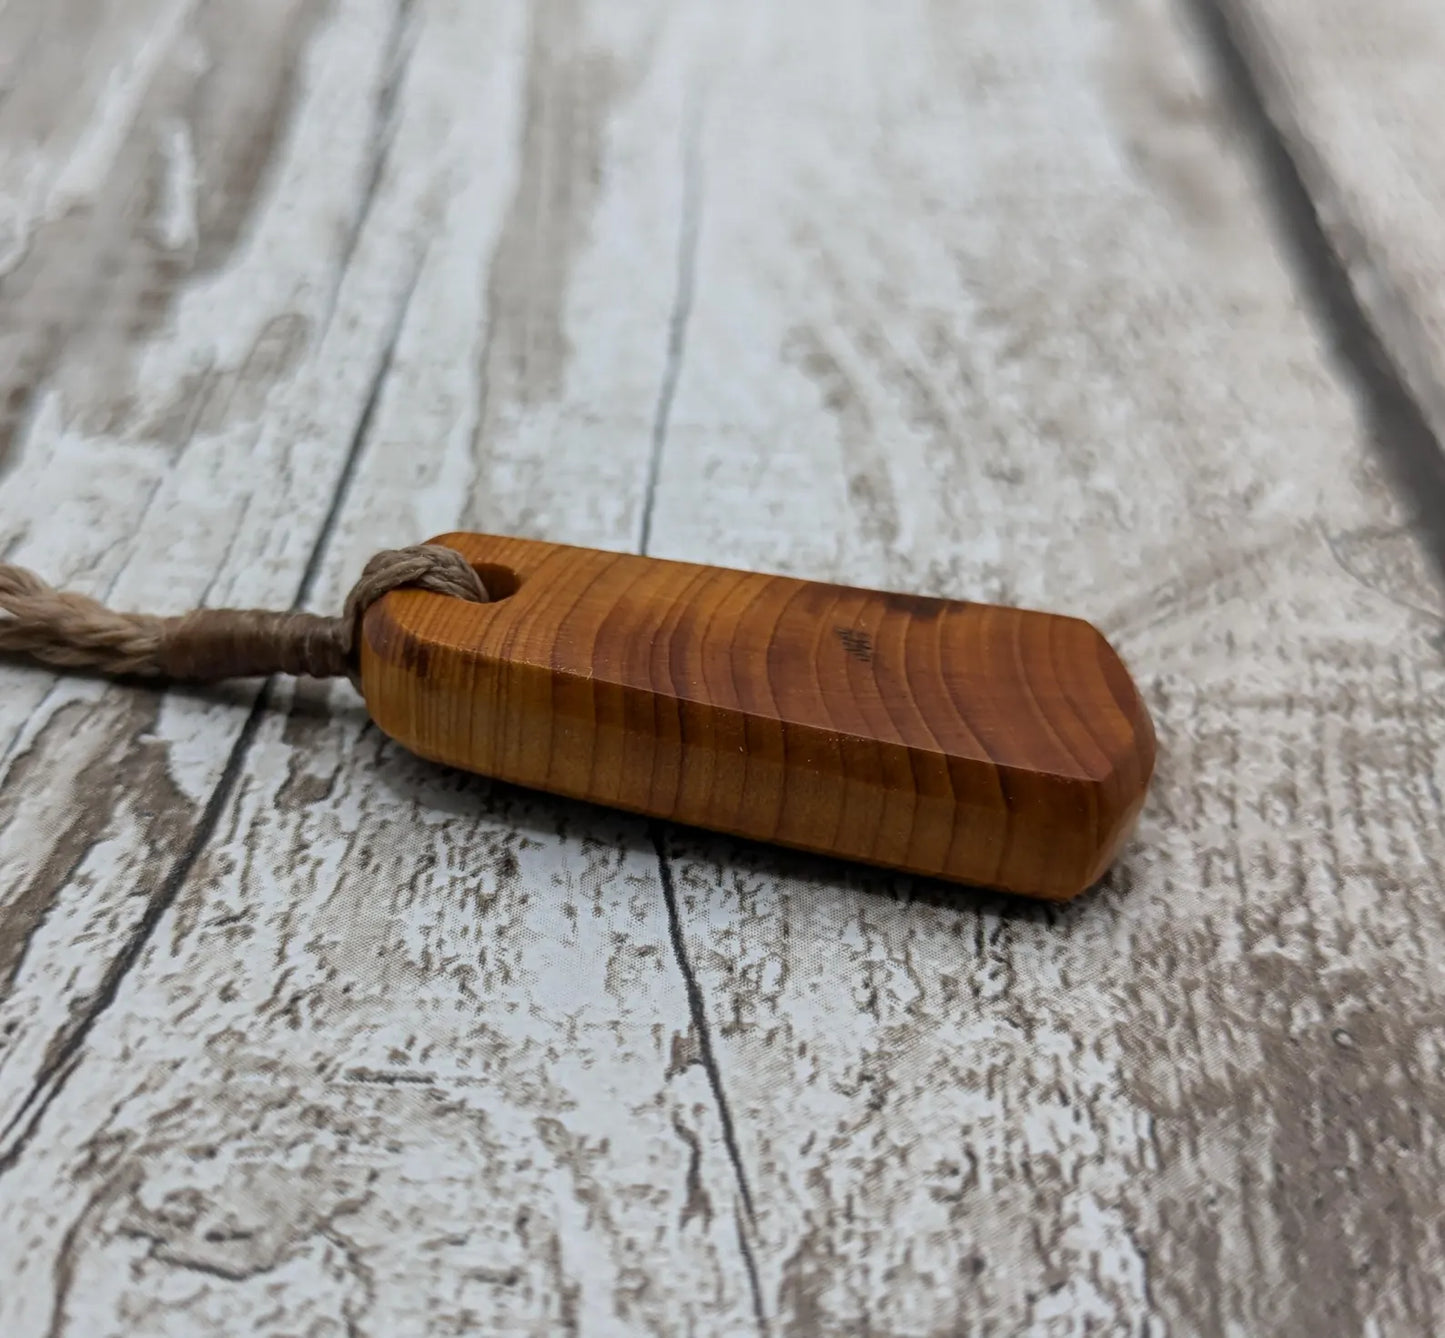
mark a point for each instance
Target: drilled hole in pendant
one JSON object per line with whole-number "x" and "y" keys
{"x": 501, "y": 582}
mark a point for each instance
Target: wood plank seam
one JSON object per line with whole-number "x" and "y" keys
{"x": 689, "y": 233}
{"x": 1401, "y": 431}
{"x": 697, "y": 1008}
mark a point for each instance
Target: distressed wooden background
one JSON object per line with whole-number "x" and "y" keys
{"x": 1127, "y": 308}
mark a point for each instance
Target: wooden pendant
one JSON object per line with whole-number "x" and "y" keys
{"x": 962, "y": 741}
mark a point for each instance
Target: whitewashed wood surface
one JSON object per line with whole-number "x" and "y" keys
{"x": 299, "y": 1035}
{"x": 1353, "y": 91}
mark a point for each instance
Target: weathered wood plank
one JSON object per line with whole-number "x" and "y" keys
{"x": 427, "y": 1059}
{"x": 180, "y": 405}
{"x": 1353, "y": 93}
{"x": 1000, "y": 316}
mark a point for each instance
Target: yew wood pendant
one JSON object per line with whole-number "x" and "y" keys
{"x": 973, "y": 743}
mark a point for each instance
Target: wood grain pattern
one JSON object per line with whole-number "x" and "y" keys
{"x": 1009, "y": 321}
{"x": 965, "y": 741}
{"x": 177, "y": 405}
{"x": 502, "y": 291}
{"x": 389, "y": 1048}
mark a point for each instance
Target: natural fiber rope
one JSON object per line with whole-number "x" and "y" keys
{"x": 72, "y": 631}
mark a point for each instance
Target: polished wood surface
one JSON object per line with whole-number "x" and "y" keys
{"x": 965, "y": 741}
